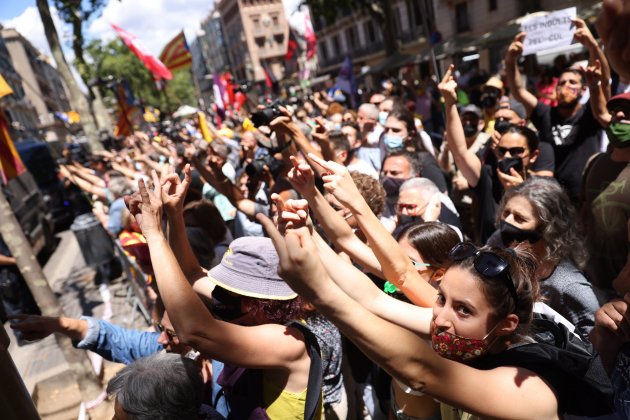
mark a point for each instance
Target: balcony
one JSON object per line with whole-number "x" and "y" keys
{"x": 359, "y": 52}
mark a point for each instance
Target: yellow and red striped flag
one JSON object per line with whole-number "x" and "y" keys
{"x": 176, "y": 54}
{"x": 10, "y": 162}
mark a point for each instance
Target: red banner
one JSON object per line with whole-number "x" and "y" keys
{"x": 154, "y": 65}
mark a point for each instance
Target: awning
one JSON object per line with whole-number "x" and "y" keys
{"x": 392, "y": 62}
{"x": 453, "y": 45}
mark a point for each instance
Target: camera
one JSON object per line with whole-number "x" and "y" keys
{"x": 255, "y": 168}
{"x": 265, "y": 116}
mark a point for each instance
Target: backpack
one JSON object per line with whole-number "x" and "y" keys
{"x": 243, "y": 388}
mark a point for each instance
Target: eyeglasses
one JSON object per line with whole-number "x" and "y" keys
{"x": 487, "y": 263}
{"x": 162, "y": 329}
{"x": 403, "y": 206}
{"x": 514, "y": 151}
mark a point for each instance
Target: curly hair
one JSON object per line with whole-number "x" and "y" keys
{"x": 556, "y": 218}
{"x": 522, "y": 265}
{"x": 276, "y": 311}
{"x": 371, "y": 190}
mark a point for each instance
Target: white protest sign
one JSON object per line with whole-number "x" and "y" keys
{"x": 552, "y": 30}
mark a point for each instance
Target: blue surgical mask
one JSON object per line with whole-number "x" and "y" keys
{"x": 382, "y": 117}
{"x": 337, "y": 126}
{"x": 392, "y": 142}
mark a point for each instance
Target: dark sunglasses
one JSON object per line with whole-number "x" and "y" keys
{"x": 162, "y": 329}
{"x": 487, "y": 263}
{"x": 514, "y": 151}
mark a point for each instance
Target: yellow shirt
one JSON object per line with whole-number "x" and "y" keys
{"x": 281, "y": 404}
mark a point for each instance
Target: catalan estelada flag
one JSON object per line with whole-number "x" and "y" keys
{"x": 10, "y": 162}
{"x": 176, "y": 55}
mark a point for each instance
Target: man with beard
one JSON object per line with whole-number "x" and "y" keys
{"x": 569, "y": 127}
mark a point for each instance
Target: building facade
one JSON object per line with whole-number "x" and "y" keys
{"x": 18, "y": 109}
{"x": 256, "y": 35}
{"x": 41, "y": 82}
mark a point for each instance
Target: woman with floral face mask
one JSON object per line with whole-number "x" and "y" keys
{"x": 480, "y": 360}
{"x": 539, "y": 214}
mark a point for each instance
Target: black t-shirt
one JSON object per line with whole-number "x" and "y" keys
{"x": 431, "y": 170}
{"x": 574, "y": 141}
{"x": 545, "y": 161}
{"x": 488, "y": 193}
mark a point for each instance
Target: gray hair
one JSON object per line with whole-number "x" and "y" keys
{"x": 119, "y": 186}
{"x": 556, "y": 218}
{"x": 425, "y": 186}
{"x": 160, "y": 386}
{"x": 370, "y": 110}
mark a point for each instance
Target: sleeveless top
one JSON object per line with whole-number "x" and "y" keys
{"x": 281, "y": 404}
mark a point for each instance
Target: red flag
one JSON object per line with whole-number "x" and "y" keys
{"x": 154, "y": 65}
{"x": 10, "y": 162}
{"x": 309, "y": 35}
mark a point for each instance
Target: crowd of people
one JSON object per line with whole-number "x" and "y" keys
{"x": 313, "y": 261}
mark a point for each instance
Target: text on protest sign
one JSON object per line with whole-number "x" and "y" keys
{"x": 552, "y": 30}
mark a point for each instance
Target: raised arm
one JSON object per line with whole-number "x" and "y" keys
{"x": 396, "y": 266}
{"x": 504, "y": 392}
{"x": 584, "y": 36}
{"x": 597, "y": 98}
{"x": 336, "y": 228}
{"x": 465, "y": 159}
{"x": 265, "y": 346}
{"x": 513, "y": 74}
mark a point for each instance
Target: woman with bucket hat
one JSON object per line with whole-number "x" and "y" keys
{"x": 271, "y": 369}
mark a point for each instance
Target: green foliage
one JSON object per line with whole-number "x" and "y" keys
{"x": 115, "y": 61}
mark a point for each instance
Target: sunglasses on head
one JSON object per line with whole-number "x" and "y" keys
{"x": 514, "y": 151}
{"x": 162, "y": 329}
{"x": 487, "y": 263}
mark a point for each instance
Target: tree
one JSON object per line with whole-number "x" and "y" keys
{"x": 114, "y": 61}
{"x": 77, "y": 99}
{"x": 379, "y": 10}
{"x": 76, "y": 13}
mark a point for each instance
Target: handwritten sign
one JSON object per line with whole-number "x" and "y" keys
{"x": 552, "y": 30}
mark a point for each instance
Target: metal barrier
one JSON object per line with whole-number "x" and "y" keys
{"x": 136, "y": 289}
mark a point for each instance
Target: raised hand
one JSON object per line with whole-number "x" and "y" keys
{"x": 594, "y": 73}
{"x": 282, "y": 123}
{"x": 582, "y": 34}
{"x": 320, "y": 132}
{"x": 338, "y": 182}
{"x": 149, "y": 216}
{"x": 448, "y": 87}
{"x": 291, "y": 214}
{"x": 174, "y": 189}
{"x": 299, "y": 263}
{"x": 301, "y": 177}
{"x": 515, "y": 49}
{"x": 432, "y": 211}
{"x": 510, "y": 180}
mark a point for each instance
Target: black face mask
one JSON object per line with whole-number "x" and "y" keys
{"x": 392, "y": 185}
{"x": 511, "y": 233}
{"x": 404, "y": 219}
{"x": 488, "y": 100}
{"x": 501, "y": 126}
{"x": 470, "y": 129}
{"x": 225, "y": 306}
{"x": 511, "y": 162}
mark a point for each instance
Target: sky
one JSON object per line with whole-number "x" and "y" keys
{"x": 154, "y": 22}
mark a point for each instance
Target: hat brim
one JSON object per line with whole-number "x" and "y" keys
{"x": 259, "y": 288}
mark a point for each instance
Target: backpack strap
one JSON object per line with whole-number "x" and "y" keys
{"x": 314, "y": 390}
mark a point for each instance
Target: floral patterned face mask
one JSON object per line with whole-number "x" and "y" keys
{"x": 461, "y": 349}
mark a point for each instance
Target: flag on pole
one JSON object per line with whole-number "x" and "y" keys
{"x": 154, "y": 65}
{"x": 129, "y": 113}
{"x": 346, "y": 81}
{"x": 309, "y": 35}
{"x": 5, "y": 89}
{"x": 10, "y": 162}
{"x": 176, "y": 54}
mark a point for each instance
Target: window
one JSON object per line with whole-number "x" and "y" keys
{"x": 492, "y": 5}
{"x": 336, "y": 45}
{"x": 370, "y": 33}
{"x": 461, "y": 17}
{"x": 323, "y": 49}
{"x": 351, "y": 38}
{"x": 397, "y": 20}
